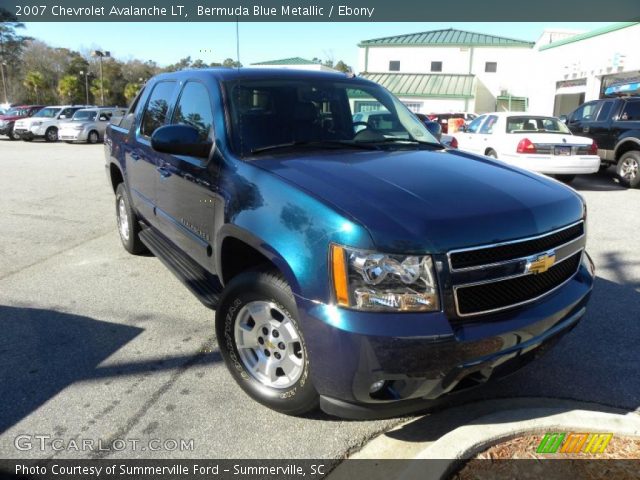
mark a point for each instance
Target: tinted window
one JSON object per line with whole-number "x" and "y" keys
{"x": 157, "y": 107}
{"x": 605, "y": 111}
{"x": 585, "y": 112}
{"x": 394, "y": 66}
{"x": 475, "y": 125}
{"x": 491, "y": 67}
{"x": 536, "y": 124}
{"x": 487, "y": 127}
{"x": 436, "y": 66}
{"x": 194, "y": 108}
{"x": 129, "y": 117}
{"x": 631, "y": 111}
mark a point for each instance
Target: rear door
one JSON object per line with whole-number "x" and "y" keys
{"x": 186, "y": 185}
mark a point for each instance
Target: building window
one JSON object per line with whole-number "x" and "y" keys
{"x": 491, "y": 67}
{"x": 394, "y": 66}
{"x": 413, "y": 106}
{"x": 436, "y": 66}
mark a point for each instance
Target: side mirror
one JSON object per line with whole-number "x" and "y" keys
{"x": 563, "y": 119}
{"x": 63, "y": 116}
{"x": 180, "y": 140}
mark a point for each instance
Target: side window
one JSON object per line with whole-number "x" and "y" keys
{"x": 394, "y": 66}
{"x": 436, "y": 66}
{"x": 489, "y": 124}
{"x": 66, "y": 113}
{"x": 475, "y": 125}
{"x": 631, "y": 112}
{"x": 605, "y": 112}
{"x": 157, "y": 108}
{"x": 585, "y": 112}
{"x": 194, "y": 108}
{"x": 491, "y": 67}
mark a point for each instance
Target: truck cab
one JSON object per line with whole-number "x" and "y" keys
{"x": 369, "y": 272}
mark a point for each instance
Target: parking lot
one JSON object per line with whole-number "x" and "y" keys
{"x": 98, "y": 344}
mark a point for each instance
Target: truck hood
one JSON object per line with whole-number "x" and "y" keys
{"x": 431, "y": 201}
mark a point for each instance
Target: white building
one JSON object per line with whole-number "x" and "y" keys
{"x": 294, "y": 63}
{"x": 578, "y": 68}
{"x": 450, "y": 70}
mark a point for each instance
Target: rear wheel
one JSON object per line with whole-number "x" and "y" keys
{"x": 51, "y": 135}
{"x": 566, "y": 178}
{"x": 491, "y": 153}
{"x": 93, "y": 137}
{"x": 262, "y": 343}
{"x": 128, "y": 226}
{"x": 628, "y": 169}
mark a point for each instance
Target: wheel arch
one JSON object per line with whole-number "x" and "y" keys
{"x": 625, "y": 145}
{"x": 115, "y": 175}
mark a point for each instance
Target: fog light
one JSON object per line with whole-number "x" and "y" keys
{"x": 377, "y": 386}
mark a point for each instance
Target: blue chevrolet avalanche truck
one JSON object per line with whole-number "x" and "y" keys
{"x": 359, "y": 267}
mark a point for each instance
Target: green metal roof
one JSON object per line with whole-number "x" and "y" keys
{"x": 448, "y": 38}
{"x": 288, "y": 61}
{"x": 425, "y": 85}
{"x": 593, "y": 33}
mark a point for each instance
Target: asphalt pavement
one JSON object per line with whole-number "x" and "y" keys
{"x": 104, "y": 347}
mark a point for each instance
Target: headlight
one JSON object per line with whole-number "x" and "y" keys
{"x": 366, "y": 280}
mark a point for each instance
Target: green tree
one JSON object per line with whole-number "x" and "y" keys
{"x": 231, "y": 63}
{"x": 130, "y": 91}
{"x": 342, "y": 67}
{"x": 96, "y": 89}
{"x": 70, "y": 89}
{"x": 34, "y": 82}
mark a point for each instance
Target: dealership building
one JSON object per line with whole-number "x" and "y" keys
{"x": 455, "y": 70}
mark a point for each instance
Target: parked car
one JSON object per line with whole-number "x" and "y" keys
{"x": 9, "y": 118}
{"x": 367, "y": 273}
{"x": 443, "y": 118}
{"x": 614, "y": 123}
{"x": 538, "y": 143}
{"x": 88, "y": 125}
{"x": 45, "y": 123}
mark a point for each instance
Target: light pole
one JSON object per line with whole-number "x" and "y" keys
{"x": 86, "y": 84}
{"x": 100, "y": 54}
{"x": 4, "y": 81}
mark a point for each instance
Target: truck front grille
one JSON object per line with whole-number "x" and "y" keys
{"x": 491, "y": 278}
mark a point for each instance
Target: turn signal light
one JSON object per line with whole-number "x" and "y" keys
{"x": 526, "y": 146}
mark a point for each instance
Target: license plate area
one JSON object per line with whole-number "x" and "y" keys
{"x": 562, "y": 150}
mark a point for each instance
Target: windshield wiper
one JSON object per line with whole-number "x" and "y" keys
{"x": 409, "y": 141}
{"x": 331, "y": 144}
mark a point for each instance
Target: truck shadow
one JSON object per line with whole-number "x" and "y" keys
{"x": 44, "y": 351}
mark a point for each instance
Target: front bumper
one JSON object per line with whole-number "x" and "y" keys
{"x": 31, "y": 132}
{"x": 555, "y": 164}
{"x": 423, "y": 358}
{"x": 73, "y": 135}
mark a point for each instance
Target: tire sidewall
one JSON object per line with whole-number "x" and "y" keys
{"x": 635, "y": 183}
{"x": 254, "y": 286}
{"x": 93, "y": 137}
{"x": 121, "y": 193}
{"x": 47, "y": 134}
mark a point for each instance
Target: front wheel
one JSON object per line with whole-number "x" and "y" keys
{"x": 93, "y": 137}
{"x": 628, "y": 169}
{"x": 51, "y": 135}
{"x": 13, "y": 135}
{"x": 262, "y": 343}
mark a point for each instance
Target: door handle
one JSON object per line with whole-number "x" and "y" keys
{"x": 164, "y": 173}
{"x": 585, "y": 129}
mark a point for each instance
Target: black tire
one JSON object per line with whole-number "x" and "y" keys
{"x": 13, "y": 135}
{"x": 491, "y": 153}
{"x": 628, "y": 169}
{"x": 69, "y": 142}
{"x": 26, "y": 139}
{"x": 255, "y": 287}
{"x": 51, "y": 135}
{"x": 93, "y": 137}
{"x": 130, "y": 242}
{"x": 565, "y": 178}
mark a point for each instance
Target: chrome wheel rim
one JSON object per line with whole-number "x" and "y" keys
{"x": 93, "y": 137}
{"x": 123, "y": 220}
{"x": 52, "y": 135}
{"x": 269, "y": 344}
{"x": 629, "y": 168}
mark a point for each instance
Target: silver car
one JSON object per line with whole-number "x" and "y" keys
{"x": 88, "y": 125}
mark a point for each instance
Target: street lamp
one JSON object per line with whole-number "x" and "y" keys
{"x": 100, "y": 54}
{"x": 86, "y": 84}
{"x": 4, "y": 81}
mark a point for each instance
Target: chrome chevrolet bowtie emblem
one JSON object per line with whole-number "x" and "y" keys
{"x": 540, "y": 263}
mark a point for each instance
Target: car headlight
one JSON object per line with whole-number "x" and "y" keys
{"x": 365, "y": 280}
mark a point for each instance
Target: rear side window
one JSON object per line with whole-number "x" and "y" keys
{"x": 157, "y": 108}
{"x": 475, "y": 125}
{"x": 487, "y": 127}
{"x": 605, "y": 112}
{"x": 194, "y": 108}
{"x": 631, "y": 111}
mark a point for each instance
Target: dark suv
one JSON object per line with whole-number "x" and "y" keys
{"x": 614, "y": 124}
{"x": 367, "y": 269}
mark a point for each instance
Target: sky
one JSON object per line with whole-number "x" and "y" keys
{"x": 166, "y": 43}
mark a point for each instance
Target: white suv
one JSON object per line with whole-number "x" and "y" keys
{"x": 45, "y": 123}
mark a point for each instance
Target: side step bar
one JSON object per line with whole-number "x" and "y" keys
{"x": 202, "y": 284}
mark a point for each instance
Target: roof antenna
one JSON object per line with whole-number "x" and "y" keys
{"x": 238, "y": 41}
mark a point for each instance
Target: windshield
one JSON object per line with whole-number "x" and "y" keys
{"x": 17, "y": 112}
{"x": 272, "y": 114}
{"x": 536, "y": 124}
{"x": 84, "y": 115}
{"x": 48, "y": 112}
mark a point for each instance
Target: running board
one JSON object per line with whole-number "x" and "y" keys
{"x": 205, "y": 286}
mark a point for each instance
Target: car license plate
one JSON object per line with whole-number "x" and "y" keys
{"x": 562, "y": 150}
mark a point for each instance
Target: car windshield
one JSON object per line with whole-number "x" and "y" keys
{"x": 84, "y": 116}
{"x": 272, "y": 115}
{"x": 536, "y": 124}
{"x": 17, "y": 112}
{"x": 48, "y": 112}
